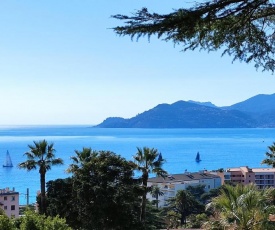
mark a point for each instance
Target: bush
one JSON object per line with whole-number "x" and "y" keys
{"x": 35, "y": 221}
{"x": 6, "y": 223}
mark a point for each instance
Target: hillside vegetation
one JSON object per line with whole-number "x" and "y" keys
{"x": 256, "y": 112}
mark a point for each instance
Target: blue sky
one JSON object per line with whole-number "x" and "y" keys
{"x": 61, "y": 63}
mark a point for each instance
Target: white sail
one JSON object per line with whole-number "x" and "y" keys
{"x": 8, "y": 162}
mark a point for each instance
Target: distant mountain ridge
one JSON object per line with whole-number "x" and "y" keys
{"x": 255, "y": 112}
{"x": 264, "y": 104}
{"x": 203, "y": 103}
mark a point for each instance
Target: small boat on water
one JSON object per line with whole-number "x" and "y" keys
{"x": 160, "y": 157}
{"x": 8, "y": 162}
{"x": 198, "y": 158}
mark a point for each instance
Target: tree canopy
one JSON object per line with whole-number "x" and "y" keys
{"x": 148, "y": 160}
{"x": 41, "y": 155}
{"x": 181, "y": 206}
{"x": 107, "y": 195}
{"x": 33, "y": 221}
{"x": 270, "y": 156}
{"x": 243, "y": 207}
{"x": 243, "y": 29}
{"x": 61, "y": 201}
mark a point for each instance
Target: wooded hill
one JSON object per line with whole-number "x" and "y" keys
{"x": 255, "y": 112}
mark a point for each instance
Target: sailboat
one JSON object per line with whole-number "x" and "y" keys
{"x": 160, "y": 157}
{"x": 198, "y": 158}
{"x": 8, "y": 162}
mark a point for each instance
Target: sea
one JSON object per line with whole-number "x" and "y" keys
{"x": 218, "y": 148}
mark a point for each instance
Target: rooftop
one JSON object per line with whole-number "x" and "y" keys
{"x": 183, "y": 177}
{"x": 7, "y": 191}
{"x": 247, "y": 169}
{"x": 264, "y": 170}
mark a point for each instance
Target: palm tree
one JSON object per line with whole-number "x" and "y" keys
{"x": 156, "y": 192}
{"x": 148, "y": 161}
{"x": 182, "y": 205}
{"x": 243, "y": 207}
{"x": 41, "y": 155}
{"x": 270, "y": 160}
{"x": 81, "y": 158}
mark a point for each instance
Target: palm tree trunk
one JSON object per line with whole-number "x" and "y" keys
{"x": 157, "y": 198}
{"x": 42, "y": 196}
{"x": 143, "y": 204}
{"x": 183, "y": 219}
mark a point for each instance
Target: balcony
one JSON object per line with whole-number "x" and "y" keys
{"x": 168, "y": 187}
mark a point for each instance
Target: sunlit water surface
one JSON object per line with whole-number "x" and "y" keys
{"x": 219, "y": 148}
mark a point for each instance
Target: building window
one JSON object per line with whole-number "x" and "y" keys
{"x": 5, "y": 198}
{"x": 13, "y": 198}
{"x": 5, "y": 207}
{"x": 13, "y": 207}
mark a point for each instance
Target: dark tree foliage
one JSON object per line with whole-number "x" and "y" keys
{"x": 154, "y": 217}
{"x": 61, "y": 202}
{"x": 242, "y": 28}
{"x": 107, "y": 196}
{"x": 196, "y": 191}
{"x": 270, "y": 156}
{"x": 183, "y": 205}
{"x": 207, "y": 196}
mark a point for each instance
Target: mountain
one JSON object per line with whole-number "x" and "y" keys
{"x": 259, "y": 104}
{"x": 260, "y": 107}
{"x": 203, "y": 103}
{"x": 258, "y": 111}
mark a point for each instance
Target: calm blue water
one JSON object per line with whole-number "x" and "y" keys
{"x": 219, "y": 148}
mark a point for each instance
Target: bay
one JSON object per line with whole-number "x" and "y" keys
{"x": 219, "y": 148}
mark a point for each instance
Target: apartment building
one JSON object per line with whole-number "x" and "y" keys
{"x": 171, "y": 184}
{"x": 262, "y": 177}
{"x": 9, "y": 202}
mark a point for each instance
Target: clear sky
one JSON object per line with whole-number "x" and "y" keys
{"x": 61, "y": 63}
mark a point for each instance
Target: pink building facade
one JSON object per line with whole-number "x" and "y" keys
{"x": 9, "y": 202}
{"x": 262, "y": 177}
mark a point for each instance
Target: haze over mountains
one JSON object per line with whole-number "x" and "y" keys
{"x": 255, "y": 112}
